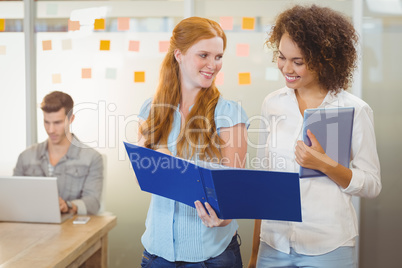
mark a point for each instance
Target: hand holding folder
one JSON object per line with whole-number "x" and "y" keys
{"x": 232, "y": 193}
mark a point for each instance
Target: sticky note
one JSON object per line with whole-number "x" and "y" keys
{"x": 2, "y": 25}
{"x": 104, "y": 45}
{"x": 52, "y": 9}
{"x": 123, "y": 24}
{"x": 248, "y": 23}
{"x": 272, "y": 74}
{"x": 47, "y": 45}
{"x": 99, "y": 24}
{"x": 66, "y": 44}
{"x": 110, "y": 73}
{"x": 164, "y": 46}
{"x": 139, "y": 77}
{"x": 244, "y": 79}
{"x": 86, "y": 73}
{"x": 56, "y": 78}
{"x": 242, "y": 50}
{"x": 134, "y": 45}
{"x": 219, "y": 79}
{"x": 226, "y": 23}
{"x": 73, "y": 25}
{"x": 2, "y": 50}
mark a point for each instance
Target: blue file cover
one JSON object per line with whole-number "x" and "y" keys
{"x": 333, "y": 129}
{"x": 233, "y": 193}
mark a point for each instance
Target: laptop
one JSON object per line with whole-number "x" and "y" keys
{"x": 30, "y": 199}
{"x": 333, "y": 129}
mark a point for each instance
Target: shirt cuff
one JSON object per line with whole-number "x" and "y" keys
{"x": 81, "y": 208}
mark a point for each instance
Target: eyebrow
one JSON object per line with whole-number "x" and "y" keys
{"x": 295, "y": 58}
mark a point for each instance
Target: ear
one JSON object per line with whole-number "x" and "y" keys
{"x": 177, "y": 55}
{"x": 72, "y": 119}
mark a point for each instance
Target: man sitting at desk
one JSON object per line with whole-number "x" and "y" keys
{"x": 78, "y": 168}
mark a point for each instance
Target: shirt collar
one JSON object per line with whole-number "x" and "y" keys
{"x": 72, "y": 152}
{"x": 332, "y": 99}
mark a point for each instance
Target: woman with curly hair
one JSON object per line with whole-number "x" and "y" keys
{"x": 188, "y": 118}
{"x": 315, "y": 51}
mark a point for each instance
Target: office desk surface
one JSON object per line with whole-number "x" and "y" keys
{"x": 55, "y": 245}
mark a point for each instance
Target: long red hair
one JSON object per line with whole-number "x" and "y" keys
{"x": 157, "y": 127}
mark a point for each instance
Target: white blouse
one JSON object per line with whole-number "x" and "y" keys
{"x": 329, "y": 219}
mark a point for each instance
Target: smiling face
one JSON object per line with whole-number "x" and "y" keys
{"x": 200, "y": 64}
{"x": 292, "y": 65}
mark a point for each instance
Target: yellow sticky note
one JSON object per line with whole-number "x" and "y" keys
{"x": 226, "y": 23}
{"x": 2, "y": 25}
{"x": 164, "y": 46}
{"x": 244, "y": 79}
{"x": 219, "y": 79}
{"x": 86, "y": 73}
{"x": 47, "y": 45}
{"x": 56, "y": 78}
{"x": 3, "y": 50}
{"x": 248, "y": 23}
{"x": 242, "y": 50}
{"x": 134, "y": 46}
{"x": 99, "y": 24}
{"x": 104, "y": 45}
{"x": 123, "y": 24}
{"x": 73, "y": 25}
{"x": 139, "y": 77}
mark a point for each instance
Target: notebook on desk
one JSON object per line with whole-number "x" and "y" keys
{"x": 30, "y": 199}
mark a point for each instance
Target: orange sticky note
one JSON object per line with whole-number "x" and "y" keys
{"x": 219, "y": 79}
{"x": 99, "y": 24}
{"x": 86, "y": 73}
{"x": 244, "y": 79}
{"x": 134, "y": 46}
{"x": 248, "y": 23}
{"x": 56, "y": 78}
{"x": 2, "y": 25}
{"x": 123, "y": 24}
{"x": 104, "y": 45}
{"x": 226, "y": 23}
{"x": 242, "y": 50}
{"x": 47, "y": 45}
{"x": 73, "y": 25}
{"x": 139, "y": 77}
{"x": 163, "y": 46}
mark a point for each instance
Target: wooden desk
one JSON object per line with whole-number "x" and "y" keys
{"x": 24, "y": 245}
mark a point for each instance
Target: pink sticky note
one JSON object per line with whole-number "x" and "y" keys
{"x": 163, "y": 46}
{"x": 86, "y": 73}
{"x": 73, "y": 25}
{"x": 123, "y": 24}
{"x": 242, "y": 50}
{"x": 134, "y": 46}
{"x": 219, "y": 79}
{"x": 226, "y": 23}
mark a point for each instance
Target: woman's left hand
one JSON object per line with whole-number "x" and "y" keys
{"x": 209, "y": 219}
{"x": 313, "y": 157}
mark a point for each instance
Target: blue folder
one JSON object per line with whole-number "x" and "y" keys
{"x": 232, "y": 193}
{"x": 333, "y": 129}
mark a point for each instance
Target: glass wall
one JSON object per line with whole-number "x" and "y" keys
{"x": 107, "y": 54}
{"x": 12, "y": 84}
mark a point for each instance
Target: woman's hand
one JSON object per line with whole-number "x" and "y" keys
{"x": 209, "y": 219}
{"x": 313, "y": 157}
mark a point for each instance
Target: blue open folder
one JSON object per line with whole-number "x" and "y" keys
{"x": 333, "y": 129}
{"x": 232, "y": 193}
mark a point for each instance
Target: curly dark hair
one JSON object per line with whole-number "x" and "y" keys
{"x": 327, "y": 41}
